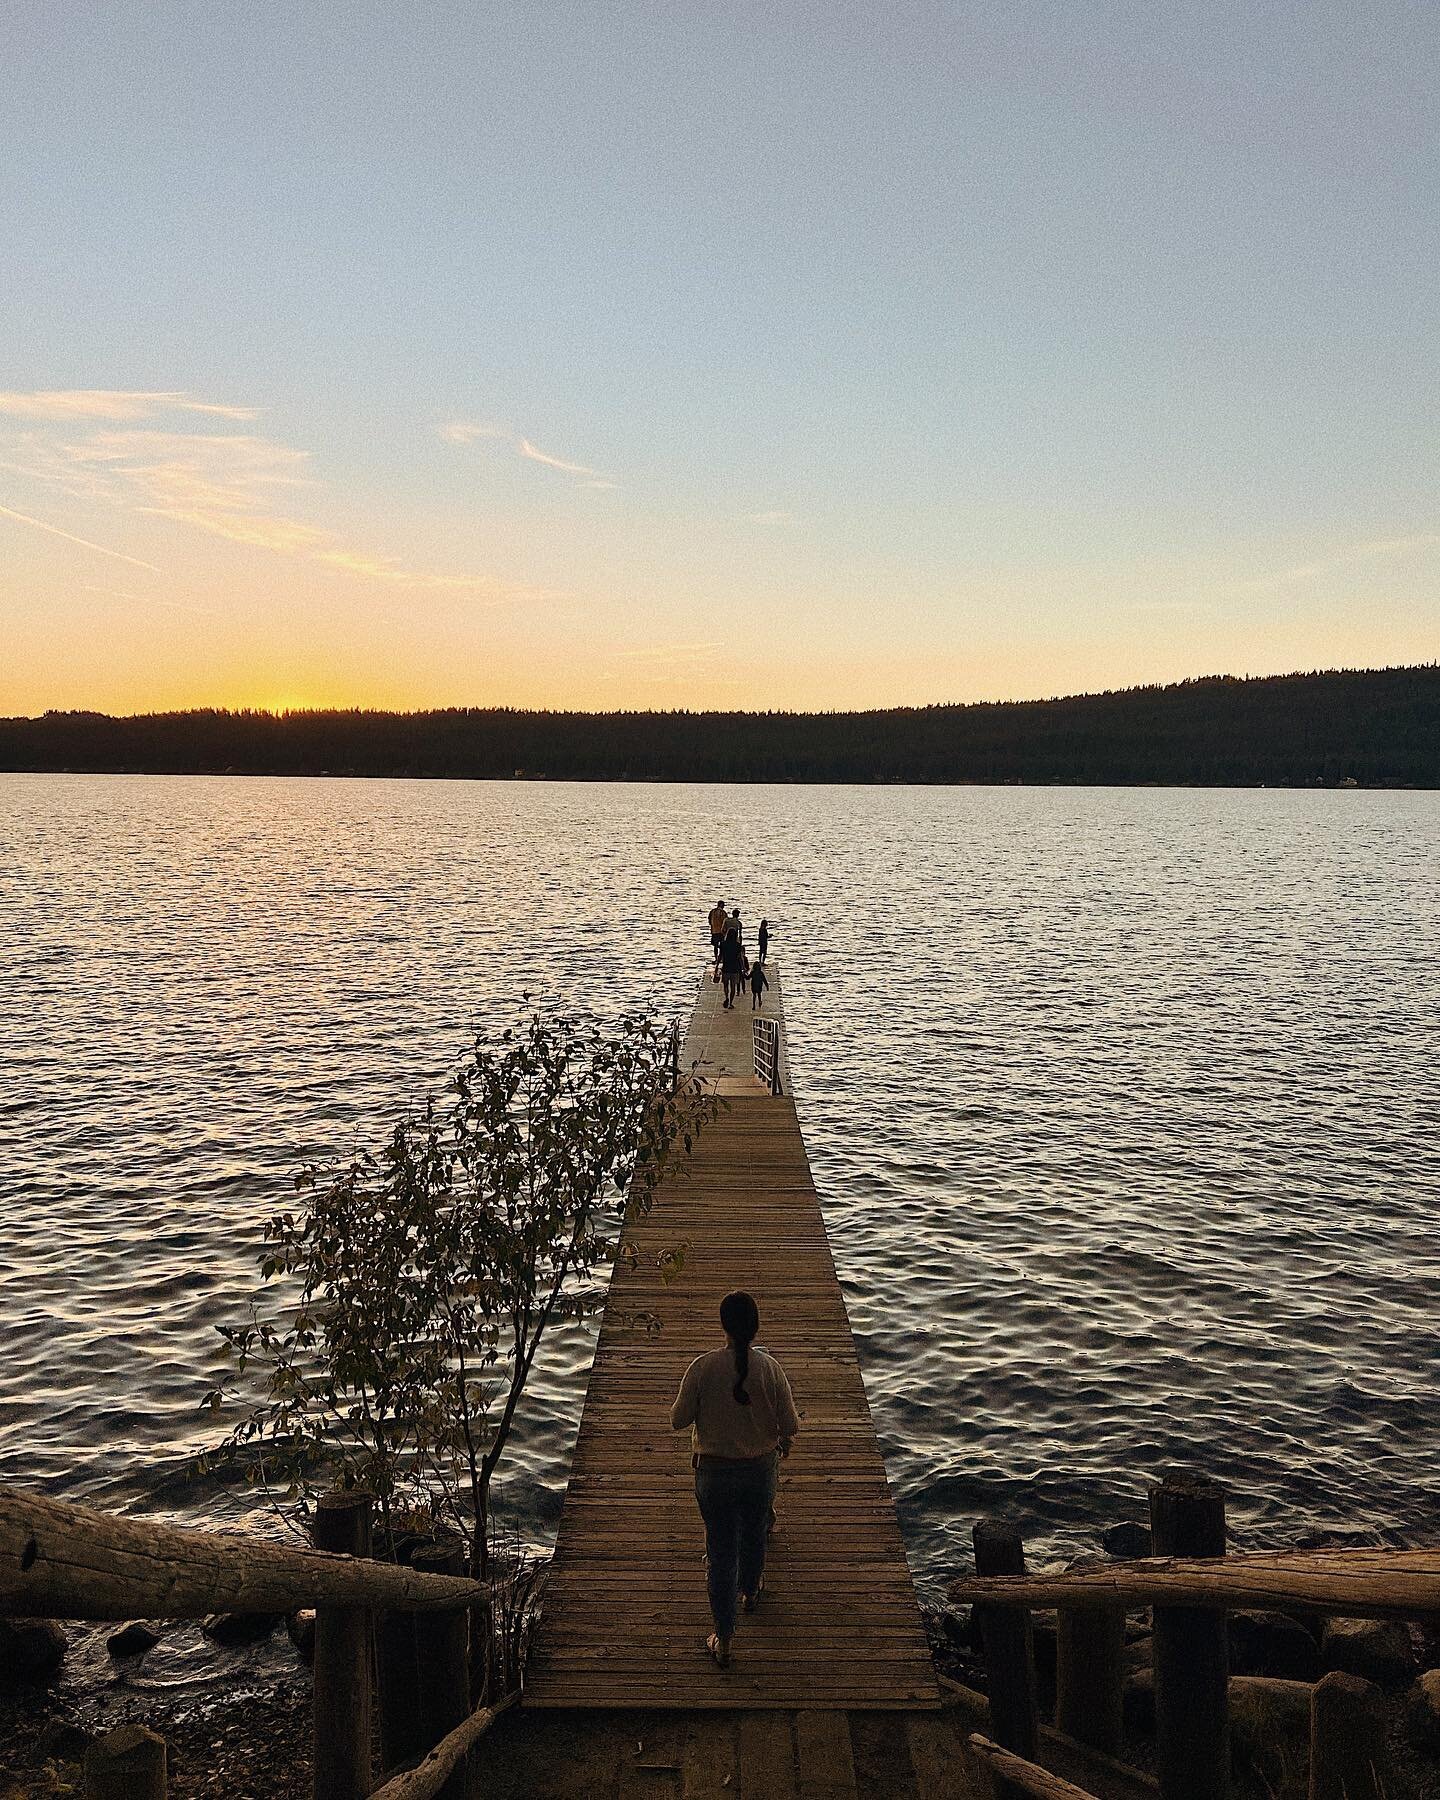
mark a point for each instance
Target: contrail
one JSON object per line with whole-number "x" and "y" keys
{"x": 55, "y": 531}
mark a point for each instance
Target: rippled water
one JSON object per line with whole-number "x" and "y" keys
{"x": 1122, "y": 1103}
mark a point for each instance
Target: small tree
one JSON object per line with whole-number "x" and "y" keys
{"x": 424, "y": 1279}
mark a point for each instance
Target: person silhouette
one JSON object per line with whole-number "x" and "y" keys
{"x": 764, "y": 938}
{"x": 732, "y": 960}
{"x": 719, "y": 919}
{"x": 737, "y": 1404}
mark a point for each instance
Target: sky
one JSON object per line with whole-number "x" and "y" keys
{"x": 712, "y": 355}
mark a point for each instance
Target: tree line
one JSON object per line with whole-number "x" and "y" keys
{"x": 1377, "y": 727}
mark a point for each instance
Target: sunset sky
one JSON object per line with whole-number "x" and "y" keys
{"x": 632, "y": 354}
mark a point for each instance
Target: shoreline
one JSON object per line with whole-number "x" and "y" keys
{"x": 252, "y": 1739}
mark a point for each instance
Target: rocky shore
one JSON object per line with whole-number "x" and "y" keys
{"x": 230, "y": 1697}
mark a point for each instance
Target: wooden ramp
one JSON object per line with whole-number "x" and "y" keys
{"x": 625, "y": 1615}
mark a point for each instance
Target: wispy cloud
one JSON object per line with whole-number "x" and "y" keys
{"x": 532, "y": 454}
{"x": 1299, "y": 573}
{"x": 114, "y": 404}
{"x": 238, "y": 486}
{"x": 466, "y": 431}
{"x": 661, "y": 665}
{"x": 73, "y": 538}
{"x": 166, "y": 605}
{"x": 217, "y": 483}
{"x": 671, "y": 652}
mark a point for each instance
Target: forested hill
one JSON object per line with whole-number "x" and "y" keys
{"x": 1377, "y": 727}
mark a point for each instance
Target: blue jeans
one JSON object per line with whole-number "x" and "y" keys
{"x": 735, "y": 1501}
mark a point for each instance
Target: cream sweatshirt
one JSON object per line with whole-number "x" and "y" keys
{"x": 719, "y": 1426}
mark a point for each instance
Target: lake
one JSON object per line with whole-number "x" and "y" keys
{"x": 1121, "y": 1103}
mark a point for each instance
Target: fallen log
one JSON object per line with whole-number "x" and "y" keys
{"x": 1077, "y": 1763}
{"x": 427, "y": 1778}
{"x": 1020, "y": 1773}
{"x": 59, "y": 1561}
{"x": 1354, "y": 1584}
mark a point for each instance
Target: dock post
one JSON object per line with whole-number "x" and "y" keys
{"x": 1090, "y": 1675}
{"x": 443, "y": 1656}
{"x": 342, "y": 1660}
{"x": 126, "y": 1764}
{"x": 1192, "y": 1668}
{"x": 423, "y": 1669}
{"x": 1008, "y": 1640}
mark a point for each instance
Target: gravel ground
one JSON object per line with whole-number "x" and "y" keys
{"x": 249, "y": 1745}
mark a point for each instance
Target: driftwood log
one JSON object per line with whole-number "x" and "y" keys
{"x": 1017, "y": 1772}
{"x": 1080, "y": 1764}
{"x": 426, "y": 1779}
{"x": 1353, "y": 1584}
{"x": 59, "y": 1561}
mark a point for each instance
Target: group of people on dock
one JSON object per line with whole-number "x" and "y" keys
{"x": 733, "y": 966}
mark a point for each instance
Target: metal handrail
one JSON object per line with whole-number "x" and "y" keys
{"x": 765, "y": 1052}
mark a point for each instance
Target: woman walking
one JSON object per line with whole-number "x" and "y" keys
{"x": 741, "y": 1414}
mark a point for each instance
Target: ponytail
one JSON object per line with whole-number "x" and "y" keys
{"x": 742, "y": 1369}
{"x": 740, "y": 1317}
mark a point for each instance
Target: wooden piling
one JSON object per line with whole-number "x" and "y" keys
{"x": 443, "y": 1659}
{"x": 1008, "y": 1639}
{"x": 126, "y": 1764}
{"x": 1090, "y": 1675}
{"x": 424, "y": 1673}
{"x": 1192, "y": 1724}
{"x": 1347, "y": 1739}
{"x": 342, "y": 1660}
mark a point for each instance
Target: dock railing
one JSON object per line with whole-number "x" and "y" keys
{"x": 59, "y": 1561}
{"x": 766, "y": 1053}
{"x": 1191, "y": 1585}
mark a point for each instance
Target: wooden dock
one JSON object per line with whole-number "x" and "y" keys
{"x": 625, "y": 1614}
